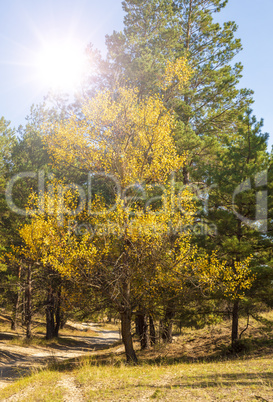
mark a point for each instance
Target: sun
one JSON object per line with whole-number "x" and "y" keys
{"x": 60, "y": 65}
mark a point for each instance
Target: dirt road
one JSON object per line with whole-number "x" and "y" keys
{"x": 16, "y": 361}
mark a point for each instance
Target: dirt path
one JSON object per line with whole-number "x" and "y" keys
{"x": 16, "y": 361}
{"x": 72, "y": 391}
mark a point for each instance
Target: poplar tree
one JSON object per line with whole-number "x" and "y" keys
{"x": 207, "y": 108}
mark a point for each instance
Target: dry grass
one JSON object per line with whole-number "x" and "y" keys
{"x": 241, "y": 379}
{"x": 238, "y": 380}
{"x": 197, "y": 366}
{"x": 42, "y": 386}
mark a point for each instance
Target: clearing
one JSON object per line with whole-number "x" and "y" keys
{"x": 19, "y": 357}
{"x": 83, "y": 366}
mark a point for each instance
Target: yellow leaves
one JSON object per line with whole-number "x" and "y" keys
{"x": 122, "y": 134}
{"x": 207, "y": 269}
{"x": 215, "y": 275}
{"x": 36, "y": 236}
{"x": 119, "y": 134}
{"x": 152, "y": 245}
{"x": 237, "y": 278}
{"x": 132, "y": 139}
{"x": 177, "y": 73}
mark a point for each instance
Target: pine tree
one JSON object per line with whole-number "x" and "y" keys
{"x": 238, "y": 204}
{"x": 161, "y": 30}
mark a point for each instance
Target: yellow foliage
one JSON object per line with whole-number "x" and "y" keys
{"x": 131, "y": 139}
{"x": 237, "y": 279}
{"x": 177, "y": 73}
{"x": 119, "y": 134}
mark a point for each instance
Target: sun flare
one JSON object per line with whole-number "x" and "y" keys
{"x": 60, "y": 65}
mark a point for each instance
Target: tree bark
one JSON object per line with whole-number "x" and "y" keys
{"x": 57, "y": 314}
{"x": 235, "y": 322}
{"x": 14, "y": 317}
{"x": 23, "y": 312}
{"x": 167, "y": 325}
{"x": 50, "y": 322}
{"x": 63, "y": 319}
{"x": 127, "y": 336}
{"x": 53, "y": 314}
{"x": 152, "y": 331}
{"x": 28, "y": 293}
{"x": 186, "y": 176}
{"x": 137, "y": 324}
{"x": 126, "y": 316}
{"x": 144, "y": 331}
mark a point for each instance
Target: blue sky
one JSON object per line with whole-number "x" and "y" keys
{"x": 25, "y": 24}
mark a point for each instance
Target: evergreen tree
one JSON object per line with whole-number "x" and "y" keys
{"x": 7, "y": 143}
{"x": 161, "y": 30}
{"x": 238, "y": 204}
{"x": 206, "y": 109}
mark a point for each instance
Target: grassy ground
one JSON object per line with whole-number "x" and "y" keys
{"x": 198, "y": 366}
{"x": 243, "y": 379}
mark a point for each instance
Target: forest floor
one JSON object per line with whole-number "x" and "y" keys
{"x": 87, "y": 363}
{"x": 20, "y": 357}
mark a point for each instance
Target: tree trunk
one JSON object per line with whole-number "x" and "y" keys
{"x": 57, "y": 315}
{"x": 28, "y": 293}
{"x": 14, "y": 317}
{"x": 53, "y": 314}
{"x": 137, "y": 324}
{"x": 63, "y": 320}
{"x": 152, "y": 331}
{"x": 23, "y": 312}
{"x": 126, "y": 316}
{"x": 127, "y": 336}
{"x": 235, "y": 322}
{"x": 50, "y": 321}
{"x": 186, "y": 176}
{"x": 167, "y": 325}
{"x": 144, "y": 332}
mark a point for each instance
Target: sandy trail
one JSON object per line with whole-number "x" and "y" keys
{"x": 16, "y": 361}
